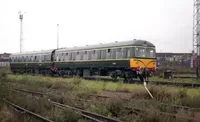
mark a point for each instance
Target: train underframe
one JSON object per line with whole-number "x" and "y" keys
{"x": 126, "y": 73}
{"x": 113, "y": 68}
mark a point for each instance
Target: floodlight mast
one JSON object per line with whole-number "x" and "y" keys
{"x": 21, "y": 31}
{"x": 57, "y": 36}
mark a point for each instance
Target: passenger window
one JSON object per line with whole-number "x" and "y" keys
{"x": 119, "y": 53}
{"x": 119, "y": 50}
{"x": 31, "y": 58}
{"x": 94, "y": 55}
{"x": 85, "y": 56}
{"x": 108, "y": 54}
{"x": 79, "y": 56}
{"x": 128, "y": 52}
{"x": 103, "y": 54}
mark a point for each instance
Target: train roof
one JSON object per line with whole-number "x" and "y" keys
{"x": 110, "y": 45}
{"x": 134, "y": 42}
{"x": 32, "y": 53}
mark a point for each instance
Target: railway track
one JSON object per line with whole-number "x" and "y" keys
{"x": 109, "y": 97}
{"x": 137, "y": 109}
{"x": 159, "y": 103}
{"x": 191, "y": 85}
{"x": 85, "y": 114}
{"x": 178, "y": 84}
{"x": 26, "y": 111}
{"x": 134, "y": 109}
{"x": 94, "y": 116}
{"x": 97, "y": 117}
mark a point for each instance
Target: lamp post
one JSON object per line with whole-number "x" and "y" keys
{"x": 57, "y": 36}
{"x": 21, "y": 31}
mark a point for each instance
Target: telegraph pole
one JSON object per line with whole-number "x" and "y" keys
{"x": 57, "y": 36}
{"x": 21, "y": 31}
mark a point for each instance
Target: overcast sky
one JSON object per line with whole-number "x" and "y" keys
{"x": 166, "y": 23}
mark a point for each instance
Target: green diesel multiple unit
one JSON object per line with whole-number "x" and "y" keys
{"x": 119, "y": 59}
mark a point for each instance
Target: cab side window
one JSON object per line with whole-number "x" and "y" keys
{"x": 128, "y": 52}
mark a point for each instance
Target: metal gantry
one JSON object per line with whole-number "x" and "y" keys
{"x": 196, "y": 30}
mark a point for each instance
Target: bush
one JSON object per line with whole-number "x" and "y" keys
{"x": 3, "y": 75}
{"x": 76, "y": 81}
{"x": 115, "y": 106}
{"x": 66, "y": 115}
{"x": 99, "y": 110}
{"x": 160, "y": 93}
{"x": 6, "y": 115}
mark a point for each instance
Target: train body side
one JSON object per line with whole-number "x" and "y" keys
{"x": 122, "y": 59}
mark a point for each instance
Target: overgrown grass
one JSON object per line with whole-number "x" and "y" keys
{"x": 70, "y": 84}
{"x": 65, "y": 90}
{"x": 39, "y": 105}
{"x": 178, "y": 80}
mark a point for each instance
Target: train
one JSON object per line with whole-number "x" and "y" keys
{"x": 125, "y": 59}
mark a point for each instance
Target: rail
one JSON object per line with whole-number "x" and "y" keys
{"x": 27, "y": 111}
{"x": 90, "y": 114}
{"x": 164, "y": 113}
{"x": 181, "y": 84}
{"x": 178, "y": 84}
{"x": 86, "y": 114}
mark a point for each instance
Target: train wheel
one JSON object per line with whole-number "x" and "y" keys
{"x": 114, "y": 76}
{"x": 69, "y": 74}
{"x": 128, "y": 79}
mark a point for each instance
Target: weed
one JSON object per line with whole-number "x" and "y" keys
{"x": 77, "y": 81}
{"x": 65, "y": 90}
{"x": 65, "y": 115}
{"x": 160, "y": 93}
{"x": 140, "y": 94}
{"x": 115, "y": 106}
{"x": 100, "y": 110}
{"x": 104, "y": 86}
{"x": 6, "y": 115}
{"x": 3, "y": 75}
